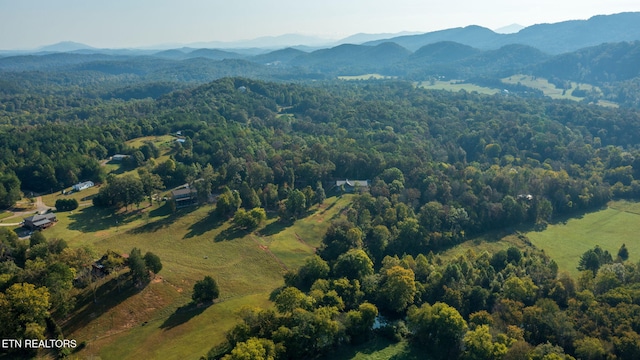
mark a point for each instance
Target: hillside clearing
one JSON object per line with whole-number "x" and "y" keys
{"x": 565, "y": 242}
{"x": 455, "y": 86}
{"x": 158, "y": 321}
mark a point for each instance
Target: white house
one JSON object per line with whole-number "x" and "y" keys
{"x": 119, "y": 157}
{"x": 82, "y": 185}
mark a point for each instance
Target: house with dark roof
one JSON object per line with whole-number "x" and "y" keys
{"x": 184, "y": 197}
{"x": 351, "y": 185}
{"x": 40, "y": 222}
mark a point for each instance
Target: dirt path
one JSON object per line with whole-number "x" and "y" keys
{"x": 39, "y": 206}
{"x": 266, "y": 249}
{"x": 305, "y": 243}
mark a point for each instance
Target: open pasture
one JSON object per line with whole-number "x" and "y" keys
{"x": 159, "y": 321}
{"x": 566, "y": 241}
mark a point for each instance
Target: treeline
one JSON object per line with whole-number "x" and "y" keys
{"x": 511, "y": 304}
{"x": 41, "y": 280}
{"x": 501, "y": 159}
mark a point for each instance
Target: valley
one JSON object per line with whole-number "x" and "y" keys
{"x": 459, "y": 194}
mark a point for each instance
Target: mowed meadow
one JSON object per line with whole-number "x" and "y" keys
{"x": 609, "y": 228}
{"x": 158, "y": 321}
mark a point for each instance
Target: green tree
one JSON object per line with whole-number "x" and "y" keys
{"x": 439, "y": 327}
{"x": 520, "y": 289}
{"x": 23, "y": 311}
{"x": 205, "y": 290}
{"x": 623, "y": 253}
{"x": 479, "y": 345}
{"x": 66, "y": 204}
{"x": 290, "y": 299}
{"x": 249, "y": 219}
{"x": 9, "y": 190}
{"x": 590, "y": 348}
{"x": 152, "y": 262}
{"x": 250, "y": 198}
{"x": 253, "y": 349}
{"x": 59, "y": 280}
{"x": 320, "y": 195}
{"x": 150, "y": 183}
{"x": 359, "y": 323}
{"x": 397, "y": 288}
{"x": 593, "y": 259}
{"x": 354, "y": 264}
{"x": 295, "y": 205}
{"x": 228, "y": 203}
{"x": 314, "y": 268}
{"x": 37, "y": 238}
{"x": 138, "y": 267}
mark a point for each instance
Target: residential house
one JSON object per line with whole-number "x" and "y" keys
{"x": 351, "y": 185}
{"x": 40, "y": 222}
{"x": 82, "y": 185}
{"x": 184, "y": 197}
{"x": 119, "y": 157}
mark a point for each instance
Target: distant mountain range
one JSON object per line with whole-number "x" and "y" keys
{"x": 553, "y": 38}
{"x": 604, "y": 51}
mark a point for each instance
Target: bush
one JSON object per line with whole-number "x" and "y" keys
{"x": 66, "y": 204}
{"x": 205, "y": 290}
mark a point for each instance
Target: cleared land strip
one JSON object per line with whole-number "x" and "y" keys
{"x": 266, "y": 249}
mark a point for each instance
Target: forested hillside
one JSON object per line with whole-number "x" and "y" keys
{"x": 442, "y": 167}
{"x": 445, "y": 146}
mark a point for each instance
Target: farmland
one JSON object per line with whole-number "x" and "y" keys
{"x": 567, "y": 240}
{"x": 247, "y": 269}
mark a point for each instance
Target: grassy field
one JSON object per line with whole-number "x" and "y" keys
{"x": 162, "y": 142}
{"x": 454, "y": 85}
{"x": 550, "y": 89}
{"x": 378, "y": 349}
{"x": 565, "y": 242}
{"x": 5, "y": 214}
{"x": 158, "y": 321}
{"x": 366, "y": 77}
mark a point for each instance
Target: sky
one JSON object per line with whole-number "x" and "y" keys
{"x": 28, "y": 24}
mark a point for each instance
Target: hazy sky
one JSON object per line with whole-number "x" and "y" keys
{"x": 28, "y": 24}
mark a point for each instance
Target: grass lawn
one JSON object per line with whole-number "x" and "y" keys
{"x": 162, "y": 142}
{"x": 378, "y": 349}
{"x": 547, "y": 88}
{"x": 492, "y": 243}
{"x": 5, "y": 214}
{"x": 84, "y": 197}
{"x": 366, "y": 77}
{"x": 454, "y": 85}
{"x": 158, "y": 321}
{"x": 565, "y": 242}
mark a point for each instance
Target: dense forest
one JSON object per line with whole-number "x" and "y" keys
{"x": 442, "y": 167}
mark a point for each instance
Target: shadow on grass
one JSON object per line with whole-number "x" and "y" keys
{"x": 167, "y": 218}
{"x": 107, "y": 296}
{"x": 93, "y": 218}
{"x": 231, "y": 233}
{"x": 208, "y": 223}
{"x": 184, "y": 314}
{"x": 373, "y": 346}
{"x": 273, "y": 228}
